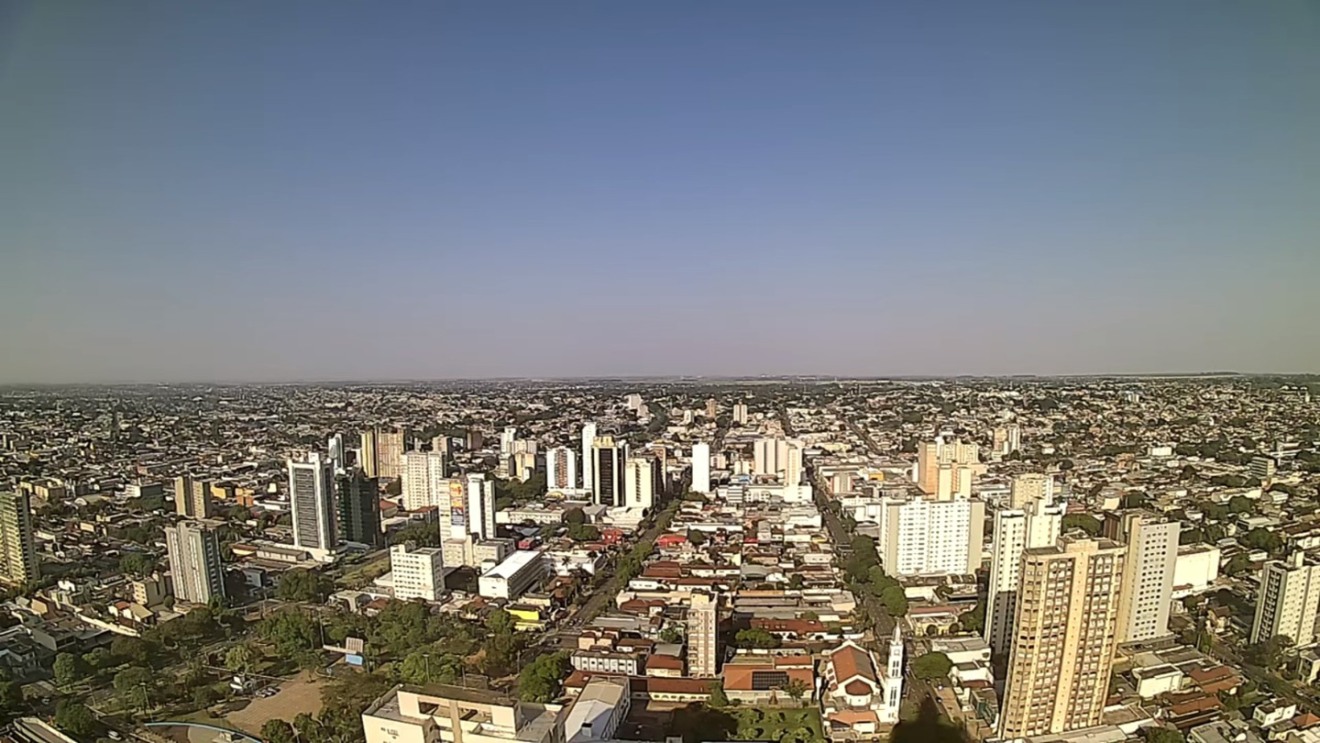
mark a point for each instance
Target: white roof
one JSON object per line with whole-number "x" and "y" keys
{"x": 513, "y": 563}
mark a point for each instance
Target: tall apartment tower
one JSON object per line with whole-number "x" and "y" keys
{"x": 368, "y": 456}
{"x": 607, "y": 468}
{"x": 16, "y": 539}
{"x": 640, "y": 479}
{"x": 588, "y": 456}
{"x": 1016, "y": 530}
{"x": 1147, "y": 593}
{"x": 195, "y": 568}
{"x": 334, "y": 446}
{"x": 1288, "y": 601}
{"x": 560, "y": 468}
{"x": 192, "y": 498}
{"x": 1031, "y": 487}
{"x": 419, "y": 572}
{"x": 927, "y": 537}
{"x": 359, "y": 508}
{"x": 312, "y": 500}
{"x": 701, "y": 468}
{"x": 1063, "y": 651}
{"x": 480, "y": 507}
{"x": 945, "y": 469}
{"x": 778, "y": 457}
{"x": 740, "y": 414}
{"x": 703, "y": 635}
{"x": 390, "y": 447}
{"x": 423, "y": 479}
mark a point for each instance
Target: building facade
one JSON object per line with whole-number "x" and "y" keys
{"x": 607, "y": 469}
{"x": 588, "y": 456}
{"x": 640, "y": 482}
{"x": 1148, "y": 571}
{"x": 312, "y": 502}
{"x": 919, "y": 536}
{"x": 703, "y": 635}
{"x": 424, "y": 484}
{"x": 192, "y": 498}
{"x": 1015, "y": 531}
{"x": 945, "y": 469}
{"x": 359, "y": 508}
{"x": 560, "y": 468}
{"x": 17, "y": 540}
{"x": 701, "y": 468}
{"x": 418, "y": 572}
{"x": 1288, "y": 601}
{"x": 195, "y": 567}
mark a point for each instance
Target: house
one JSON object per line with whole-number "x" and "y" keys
{"x": 857, "y": 696}
{"x": 769, "y": 679}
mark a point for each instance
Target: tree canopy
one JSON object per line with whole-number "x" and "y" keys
{"x": 931, "y": 666}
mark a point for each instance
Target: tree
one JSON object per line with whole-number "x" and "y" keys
{"x": 541, "y": 680}
{"x": 1239, "y": 564}
{"x": 304, "y": 585}
{"x": 75, "y": 719}
{"x": 204, "y": 696}
{"x": 1240, "y": 504}
{"x": 240, "y": 658}
{"x": 895, "y": 601}
{"x": 130, "y": 649}
{"x": 1215, "y": 511}
{"x": 1261, "y": 538}
{"x": 278, "y": 731}
{"x": 430, "y": 666}
{"x": 575, "y": 516}
{"x": 67, "y": 669}
{"x": 500, "y": 622}
{"x": 583, "y": 533}
{"x": 671, "y": 634}
{"x": 290, "y": 631}
{"x": 796, "y": 581}
{"x": 717, "y": 696}
{"x": 755, "y": 638}
{"x": 135, "y": 685}
{"x": 11, "y": 699}
{"x": 1163, "y": 735}
{"x": 974, "y": 620}
{"x": 931, "y": 666}
{"x": 420, "y": 534}
{"x": 796, "y": 688}
{"x": 136, "y": 564}
{"x": 696, "y": 537}
{"x": 1084, "y": 521}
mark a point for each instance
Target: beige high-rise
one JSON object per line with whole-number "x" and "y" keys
{"x": 1288, "y": 601}
{"x": 703, "y": 635}
{"x": 1147, "y": 594}
{"x": 192, "y": 498}
{"x": 1065, "y": 637}
{"x": 1030, "y": 488}
{"x": 390, "y": 446}
{"x": 946, "y": 469}
{"x": 17, "y": 547}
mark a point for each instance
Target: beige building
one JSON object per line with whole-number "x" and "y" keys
{"x": 418, "y": 572}
{"x": 16, "y": 540}
{"x": 423, "y": 480}
{"x": 639, "y": 482}
{"x": 192, "y": 498}
{"x": 438, "y": 713}
{"x": 703, "y": 635}
{"x": 946, "y": 469}
{"x": 1152, "y": 556}
{"x": 382, "y": 452}
{"x": 1288, "y": 601}
{"x": 1036, "y": 524}
{"x": 1065, "y": 637}
{"x": 1030, "y": 488}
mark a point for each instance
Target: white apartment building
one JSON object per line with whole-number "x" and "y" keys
{"x": 945, "y": 469}
{"x": 1147, "y": 593}
{"x": 703, "y": 634}
{"x": 1288, "y": 601}
{"x": 1031, "y": 487}
{"x": 195, "y": 567}
{"x": 588, "y": 471}
{"x": 1196, "y": 569}
{"x": 1015, "y": 531}
{"x": 479, "y": 518}
{"x": 701, "y": 468}
{"x": 639, "y": 482}
{"x": 919, "y": 536}
{"x": 778, "y": 457}
{"x": 455, "y": 714}
{"x": 418, "y": 572}
{"x": 423, "y": 480}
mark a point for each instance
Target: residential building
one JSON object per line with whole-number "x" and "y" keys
{"x": 1063, "y": 652}
{"x": 368, "y": 458}
{"x": 1152, "y": 556}
{"x": 437, "y": 713}
{"x": 195, "y": 567}
{"x": 703, "y": 634}
{"x": 740, "y": 414}
{"x": 192, "y": 498}
{"x": 1029, "y": 488}
{"x": 1015, "y": 531}
{"x": 311, "y": 500}
{"x": 382, "y": 452}
{"x": 479, "y": 520}
{"x": 359, "y": 508}
{"x": 778, "y": 457}
{"x": 588, "y": 456}
{"x": 607, "y": 469}
{"x": 1288, "y": 600}
{"x": 945, "y": 469}
{"x": 521, "y": 572}
{"x": 1262, "y": 468}
{"x": 16, "y": 539}
{"x": 424, "y": 484}
{"x": 919, "y": 536}
{"x": 418, "y": 572}
{"x": 560, "y": 468}
{"x": 640, "y": 476}
{"x": 507, "y": 437}
{"x": 701, "y": 468}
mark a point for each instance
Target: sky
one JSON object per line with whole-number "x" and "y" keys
{"x": 325, "y": 190}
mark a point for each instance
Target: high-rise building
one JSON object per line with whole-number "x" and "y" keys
{"x": 1065, "y": 638}
{"x": 1262, "y": 468}
{"x": 17, "y": 540}
{"x": 703, "y": 634}
{"x": 640, "y": 476}
{"x": 588, "y": 456}
{"x": 1288, "y": 601}
{"x": 560, "y": 468}
{"x": 1007, "y": 439}
{"x": 480, "y": 515}
{"x": 507, "y": 437}
{"x": 1016, "y": 530}
{"x": 418, "y": 572}
{"x": 1030, "y": 488}
{"x": 192, "y": 498}
{"x": 945, "y": 469}
{"x": 1152, "y": 556}
{"x": 312, "y": 501}
{"x": 335, "y": 449}
{"x": 195, "y": 568}
{"x": 712, "y": 408}
{"x": 701, "y": 468}
{"x": 778, "y": 457}
{"x": 423, "y": 483}
{"x": 390, "y": 446}
{"x": 926, "y": 537}
{"x": 607, "y": 468}
{"x": 440, "y": 444}
{"x": 740, "y": 414}
{"x": 359, "y": 508}
{"x": 368, "y": 457}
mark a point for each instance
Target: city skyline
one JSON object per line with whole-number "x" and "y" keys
{"x": 236, "y": 193}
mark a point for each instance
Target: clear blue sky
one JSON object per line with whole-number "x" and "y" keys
{"x": 331, "y": 190}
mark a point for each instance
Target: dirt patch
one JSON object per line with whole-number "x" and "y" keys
{"x": 299, "y": 694}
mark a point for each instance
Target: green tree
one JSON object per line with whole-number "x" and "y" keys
{"x": 240, "y": 658}
{"x": 67, "y": 669}
{"x": 500, "y": 622}
{"x": 755, "y": 638}
{"x": 696, "y": 537}
{"x": 304, "y": 585}
{"x": 796, "y": 582}
{"x": 931, "y": 666}
{"x": 135, "y": 684}
{"x": 136, "y": 564}
{"x": 717, "y": 696}
{"x": 1261, "y": 538}
{"x": 583, "y": 533}
{"x": 1084, "y": 521}
{"x": 12, "y": 703}
{"x": 974, "y": 620}
{"x": 895, "y": 601}
{"x": 671, "y": 634}
{"x": 429, "y": 666}
{"x": 131, "y": 649}
{"x": 575, "y": 516}
{"x": 205, "y": 696}
{"x": 542, "y": 679}
{"x": 1238, "y": 565}
{"x": 796, "y": 688}
{"x": 1240, "y": 504}
{"x": 278, "y": 731}
{"x": 290, "y": 631}
{"x": 420, "y": 534}
{"x": 1215, "y": 511}
{"x": 1163, "y": 735}
{"x": 75, "y": 719}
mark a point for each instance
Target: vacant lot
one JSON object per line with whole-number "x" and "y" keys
{"x": 300, "y": 694}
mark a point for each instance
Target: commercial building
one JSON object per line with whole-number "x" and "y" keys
{"x": 16, "y": 539}
{"x": 192, "y": 498}
{"x": 701, "y": 468}
{"x": 1288, "y": 601}
{"x": 1147, "y": 592}
{"x": 945, "y": 469}
{"x": 703, "y": 635}
{"x": 359, "y": 508}
{"x": 1063, "y": 652}
{"x": 597, "y": 711}
{"x": 424, "y": 484}
{"x": 1262, "y": 468}
{"x": 919, "y": 536}
{"x": 641, "y": 476}
{"x": 418, "y": 572}
{"x": 195, "y": 567}
{"x": 607, "y": 467}
{"x": 518, "y": 574}
{"x": 311, "y": 500}
{"x": 560, "y": 468}
{"x": 1015, "y": 531}
{"x": 588, "y": 456}
{"x": 437, "y": 713}
{"x": 1196, "y": 569}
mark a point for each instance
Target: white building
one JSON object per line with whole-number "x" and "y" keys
{"x": 312, "y": 502}
{"x": 423, "y": 480}
{"x": 1196, "y": 569}
{"x": 1031, "y": 487}
{"x": 418, "y": 572}
{"x": 919, "y": 536}
{"x": 454, "y": 714}
{"x": 1147, "y": 592}
{"x": 195, "y": 567}
{"x": 507, "y": 437}
{"x": 560, "y": 468}
{"x": 1288, "y": 601}
{"x": 701, "y": 468}
{"x": 1015, "y": 530}
{"x": 479, "y": 519}
{"x": 778, "y": 457}
{"x": 640, "y": 479}
{"x": 857, "y": 695}
{"x": 597, "y": 711}
{"x": 518, "y": 574}
{"x": 740, "y": 414}
{"x": 588, "y": 441}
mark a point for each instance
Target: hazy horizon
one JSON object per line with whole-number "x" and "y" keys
{"x": 315, "y": 191}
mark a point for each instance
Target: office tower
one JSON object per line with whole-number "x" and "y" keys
{"x": 945, "y": 469}
{"x": 16, "y": 538}
{"x": 925, "y": 537}
{"x": 480, "y": 516}
{"x": 701, "y": 468}
{"x": 335, "y": 449}
{"x": 423, "y": 483}
{"x": 1016, "y": 530}
{"x": 1030, "y": 488}
{"x": 588, "y": 456}
{"x": 195, "y": 567}
{"x": 418, "y": 572}
{"x": 1064, "y": 638}
{"x": 390, "y": 447}
{"x": 607, "y": 468}
{"x": 560, "y": 468}
{"x": 703, "y": 634}
{"x": 192, "y": 498}
{"x": 1288, "y": 601}
{"x": 1152, "y": 555}
{"x": 311, "y": 499}
{"x": 368, "y": 458}
{"x": 359, "y": 508}
{"x": 507, "y": 437}
{"x": 740, "y": 414}
{"x": 640, "y": 475}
